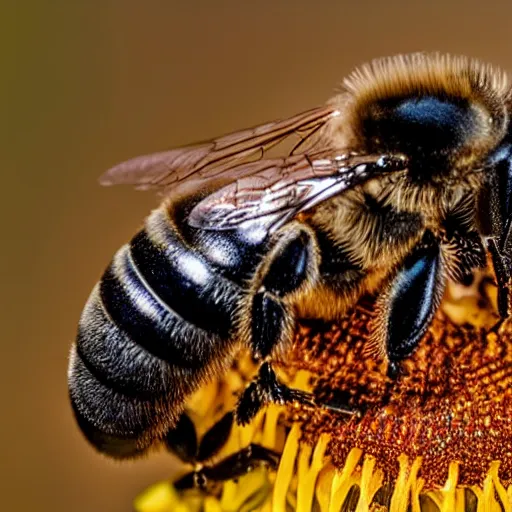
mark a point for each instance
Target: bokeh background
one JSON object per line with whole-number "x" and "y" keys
{"x": 85, "y": 84}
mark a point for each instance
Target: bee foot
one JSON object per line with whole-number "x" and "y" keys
{"x": 267, "y": 388}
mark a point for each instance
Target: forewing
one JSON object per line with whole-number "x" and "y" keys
{"x": 215, "y": 158}
{"x": 273, "y": 191}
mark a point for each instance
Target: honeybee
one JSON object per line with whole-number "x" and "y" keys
{"x": 397, "y": 184}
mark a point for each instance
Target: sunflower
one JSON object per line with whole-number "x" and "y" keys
{"x": 436, "y": 438}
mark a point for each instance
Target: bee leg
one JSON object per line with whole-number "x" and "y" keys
{"x": 193, "y": 480}
{"x": 290, "y": 267}
{"x": 416, "y": 291}
{"x": 182, "y": 439}
{"x": 408, "y": 307}
{"x": 241, "y": 462}
{"x": 264, "y": 389}
{"x": 502, "y": 266}
{"x": 215, "y": 438}
{"x": 230, "y": 468}
{"x": 495, "y": 218}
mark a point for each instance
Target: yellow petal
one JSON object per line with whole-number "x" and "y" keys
{"x": 160, "y": 497}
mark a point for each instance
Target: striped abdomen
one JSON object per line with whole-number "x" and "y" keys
{"x": 158, "y": 325}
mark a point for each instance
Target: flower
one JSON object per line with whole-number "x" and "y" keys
{"x": 437, "y": 438}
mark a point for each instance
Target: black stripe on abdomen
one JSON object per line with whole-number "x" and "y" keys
{"x": 159, "y": 323}
{"x": 182, "y": 279}
{"x": 115, "y": 424}
{"x": 115, "y": 359}
{"x": 147, "y": 321}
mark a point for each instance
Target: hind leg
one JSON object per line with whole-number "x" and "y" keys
{"x": 290, "y": 268}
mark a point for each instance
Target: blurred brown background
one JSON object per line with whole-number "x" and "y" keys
{"x": 85, "y": 84}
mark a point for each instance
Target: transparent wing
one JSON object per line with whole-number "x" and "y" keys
{"x": 270, "y": 192}
{"x": 215, "y": 158}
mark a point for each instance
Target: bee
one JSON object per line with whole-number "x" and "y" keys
{"x": 397, "y": 184}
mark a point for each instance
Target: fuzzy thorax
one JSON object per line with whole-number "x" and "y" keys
{"x": 443, "y": 112}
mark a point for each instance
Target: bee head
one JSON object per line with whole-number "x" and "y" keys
{"x": 433, "y": 131}
{"x": 445, "y": 113}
